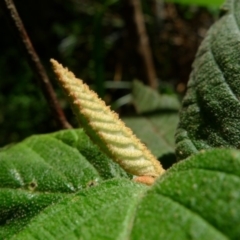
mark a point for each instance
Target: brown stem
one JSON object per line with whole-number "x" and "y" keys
{"x": 35, "y": 64}
{"x": 144, "y": 49}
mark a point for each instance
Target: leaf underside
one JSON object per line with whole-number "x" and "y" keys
{"x": 157, "y": 120}
{"x": 156, "y": 131}
{"x": 52, "y": 188}
{"x": 60, "y": 186}
{"x": 211, "y": 109}
{"x": 147, "y": 100}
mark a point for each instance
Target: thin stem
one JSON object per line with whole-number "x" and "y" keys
{"x": 35, "y": 64}
{"x": 143, "y": 41}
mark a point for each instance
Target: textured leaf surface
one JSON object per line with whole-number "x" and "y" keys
{"x": 105, "y": 127}
{"x": 42, "y": 170}
{"x": 211, "y": 108}
{"x": 102, "y": 212}
{"x": 78, "y": 139}
{"x": 198, "y": 198}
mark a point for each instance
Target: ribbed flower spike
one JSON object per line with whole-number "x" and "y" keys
{"x": 106, "y": 129}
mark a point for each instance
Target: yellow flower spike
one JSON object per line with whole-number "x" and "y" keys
{"x": 106, "y": 129}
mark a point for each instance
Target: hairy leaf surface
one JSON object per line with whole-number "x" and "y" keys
{"x": 49, "y": 190}
{"x": 42, "y": 170}
{"x": 211, "y": 108}
{"x": 101, "y": 212}
{"x": 198, "y": 198}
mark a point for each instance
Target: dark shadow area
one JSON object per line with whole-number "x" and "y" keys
{"x": 91, "y": 38}
{"x": 167, "y": 160}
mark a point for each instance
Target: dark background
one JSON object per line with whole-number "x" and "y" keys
{"x": 94, "y": 39}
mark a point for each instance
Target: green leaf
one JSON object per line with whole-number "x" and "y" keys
{"x": 156, "y": 131}
{"x": 158, "y": 121}
{"x": 42, "y": 170}
{"x": 79, "y": 140}
{"x": 211, "y": 108}
{"x": 198, "y": 198}
{"x": 146, "y": 99}
{"x": 101, "y": 212}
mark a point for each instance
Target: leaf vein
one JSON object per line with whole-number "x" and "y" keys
{"x": 222, "y": 73}
{"x": 192, "y": 212}
{"x": 158, "y": 132}
{"x": 64, "y": 177}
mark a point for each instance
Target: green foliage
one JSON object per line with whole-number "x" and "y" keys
{"x": 50, "y": 190}
{"x": 156, "y": 131}
{"x": 158, "y": 119}
{"x": 20, "y": 95}
{"x": 101, "y": 212}
{"x": 211, "y": 109}
{"x": 146, "y": 100}
{"x": 196, "y": 199}
{"x": 61, "y": 186}
{"x": 42, "y": 170}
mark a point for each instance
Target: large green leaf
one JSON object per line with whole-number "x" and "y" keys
{"x": 146, "y": 99}
{"x": 198, "y": 198}
{"x": 211, "y": 108}
{"x": 42, "y": 170}
{"x": 102, "y": 212}
{"x": 156, "y": 131}
{"x": 79, "y": 140}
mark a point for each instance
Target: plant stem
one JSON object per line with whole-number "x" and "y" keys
{"x": 35, "y": 64}
{"x": 144, "y": 50}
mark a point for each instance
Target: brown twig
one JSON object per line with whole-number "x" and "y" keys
{"x": 137, "y": 20}
{"x": 35, "y": 64}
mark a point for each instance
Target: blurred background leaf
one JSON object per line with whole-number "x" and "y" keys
{"x": 146, "y": 99}
{"x": 156, "y": 121}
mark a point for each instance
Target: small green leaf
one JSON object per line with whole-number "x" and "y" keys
{"x": 146, "y": 99}
{"x": 211, "y": 108}
{"x": 198, "y": 198}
